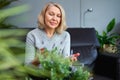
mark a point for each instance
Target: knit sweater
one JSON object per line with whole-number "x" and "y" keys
{"x": 37, "y": 39}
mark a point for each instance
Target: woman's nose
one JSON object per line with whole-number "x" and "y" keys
{"x": 54, "y": 18}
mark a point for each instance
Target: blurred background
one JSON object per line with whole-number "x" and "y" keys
{"x": 79, "y": 13}
{"x": 17, "y": 15}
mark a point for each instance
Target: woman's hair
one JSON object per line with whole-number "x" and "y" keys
{"x": 41, "y": 18}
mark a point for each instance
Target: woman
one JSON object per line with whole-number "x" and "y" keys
{"x": 49, "y": 34}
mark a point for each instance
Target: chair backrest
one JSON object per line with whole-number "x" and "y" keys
{"x": 83, "y": 36}
{"x": 84, "y": 41}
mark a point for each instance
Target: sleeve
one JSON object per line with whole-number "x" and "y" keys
{"x": 66, "y": 50}
{"x": 29, "y": 49}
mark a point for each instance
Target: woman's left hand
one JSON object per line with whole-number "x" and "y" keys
{"x": 74, "y": 57}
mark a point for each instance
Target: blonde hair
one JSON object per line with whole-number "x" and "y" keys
{"x": 41, "y": 17}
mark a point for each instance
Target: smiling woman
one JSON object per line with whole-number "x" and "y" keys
{"x": 52, "y": 14}
{"x": 53, "y": 17}
{"x": 49, "y": 34}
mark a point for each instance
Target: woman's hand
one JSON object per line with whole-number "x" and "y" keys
{"x": 74, "y": 57}
{"x": 36, "y": 61}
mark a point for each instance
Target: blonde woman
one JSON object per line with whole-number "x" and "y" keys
{"x": 49, "y": 34}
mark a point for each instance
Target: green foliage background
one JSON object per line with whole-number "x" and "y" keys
{"x": 6, "y": 12}
{"x": 11, "y": 47}
{"x": 11, "y": 55}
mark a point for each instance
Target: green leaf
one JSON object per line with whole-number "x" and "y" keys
{"x": 13, "y": 11}
{"x": 111, "y": 25}
{"x": 4, "y": 33}
{"x": 4, "y": 3}
{"x": 104, "y": 33}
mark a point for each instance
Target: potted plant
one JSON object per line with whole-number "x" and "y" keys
{"x": 108, "y": 39}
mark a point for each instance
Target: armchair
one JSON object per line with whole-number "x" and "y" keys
{"x": 84, "y": 41}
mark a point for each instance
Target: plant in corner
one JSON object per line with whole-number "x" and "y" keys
{"x": 108, "y": 39}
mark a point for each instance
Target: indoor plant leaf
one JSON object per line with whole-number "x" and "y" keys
{"x": 13, "y": 11}
{"x": 111, "y": 25}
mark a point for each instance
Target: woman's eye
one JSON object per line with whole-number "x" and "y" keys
{"x": 51, "y": 14}
{"x": 59, "y": 16}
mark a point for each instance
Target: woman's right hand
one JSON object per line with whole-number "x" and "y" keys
{"x": 36, "y": 61}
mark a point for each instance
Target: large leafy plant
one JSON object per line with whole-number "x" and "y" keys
{"x": 55, "y": 67}
{"x": 11, "y": 55}
{"x": 107, "y": 37}
{"x": 11, "y": 47}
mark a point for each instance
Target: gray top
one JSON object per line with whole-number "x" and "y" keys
{"x": 37, "y": 39}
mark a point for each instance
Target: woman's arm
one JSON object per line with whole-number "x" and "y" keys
{"x": 66, "y": 50}
{"x": 29, "y": 49}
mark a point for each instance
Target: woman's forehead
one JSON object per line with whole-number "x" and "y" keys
{"x": 53, "y": 9}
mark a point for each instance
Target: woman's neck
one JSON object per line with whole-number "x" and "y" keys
{"x": 50, "y": 32}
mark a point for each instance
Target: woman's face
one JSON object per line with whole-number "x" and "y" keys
{"x": 53, "y": 17}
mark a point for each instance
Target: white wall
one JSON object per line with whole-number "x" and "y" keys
{"x": 103, "y": 12}
{"x": 29, "y": 19}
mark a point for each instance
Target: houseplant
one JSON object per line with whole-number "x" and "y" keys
{"x": 108, "y": 39}
{"x": 56, "y": 67}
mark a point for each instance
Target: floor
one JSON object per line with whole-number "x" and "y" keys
{"x": 98, "y": 77}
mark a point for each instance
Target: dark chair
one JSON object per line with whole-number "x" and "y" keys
{"x": 84, "y": 41}
{"x": 108, "y": 64}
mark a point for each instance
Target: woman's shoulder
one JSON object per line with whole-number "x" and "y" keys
{"x": 34, "y": 31}
{"x": 66, "y": 33}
